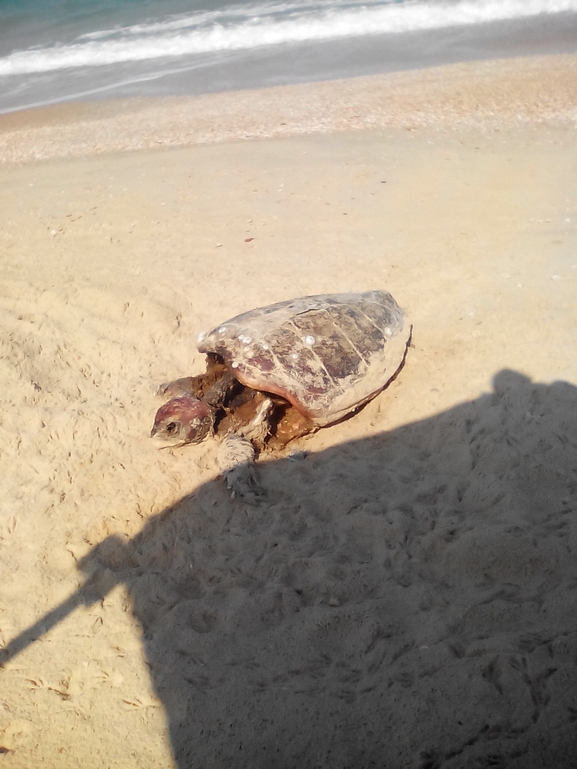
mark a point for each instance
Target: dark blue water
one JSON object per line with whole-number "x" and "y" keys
{"x": 62, "y": 50}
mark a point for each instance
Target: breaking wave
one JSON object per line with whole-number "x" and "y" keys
{"x": 246, "y": 27}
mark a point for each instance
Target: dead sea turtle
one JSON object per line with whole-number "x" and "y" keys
{"x": 279, "y": 372}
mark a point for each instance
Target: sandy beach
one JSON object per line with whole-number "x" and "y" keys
{"x": 406, "y": 593}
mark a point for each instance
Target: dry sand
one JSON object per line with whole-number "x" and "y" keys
{"x": 406, "y": 595}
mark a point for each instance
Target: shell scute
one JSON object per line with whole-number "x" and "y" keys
{"x": 334, "y": 351}
{"x": 298, "y": 360}
{"x": 382, "y": 315}
{"x": 358, "y": 329}
{"x": 262, "y": 362}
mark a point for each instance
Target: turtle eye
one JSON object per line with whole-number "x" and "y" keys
{"x": 170, "y": 427}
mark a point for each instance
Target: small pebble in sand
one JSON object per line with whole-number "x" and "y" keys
{"x": 334, "y": 601}
{"x": 297, "y": 456}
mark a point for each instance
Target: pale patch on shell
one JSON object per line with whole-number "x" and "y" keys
{"x": 389, "y": 331}
{"x": 234, "y": 364}
{"x": 222, "y": 329}
{"x": 201, "y": 337}
{"x": 308, "y": 339}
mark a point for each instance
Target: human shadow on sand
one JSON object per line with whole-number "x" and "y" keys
{"x": 406, "y": 600}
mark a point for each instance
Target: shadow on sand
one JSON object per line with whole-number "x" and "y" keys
{"x": 407, "y": 600}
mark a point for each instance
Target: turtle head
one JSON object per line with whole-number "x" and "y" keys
{"x": 183, "y": 420}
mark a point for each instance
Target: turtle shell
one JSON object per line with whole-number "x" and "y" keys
{"x": 326, "y": 354}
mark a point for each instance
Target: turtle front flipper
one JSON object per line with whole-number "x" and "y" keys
{"x": 215, "y": 380}
{"x": 222, "y": 390}
{"x": 237, "y": 453}
{"x": 177, "y": 388}
{"x": 235, "y": 460}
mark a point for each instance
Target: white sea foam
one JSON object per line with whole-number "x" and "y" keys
{"x": 246, "y": 27}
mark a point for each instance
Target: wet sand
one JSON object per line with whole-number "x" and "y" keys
{"x": 405, "y": 593}
{"x": 485, "y": 95}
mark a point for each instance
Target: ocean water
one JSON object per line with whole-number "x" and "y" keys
{"x": 64, "y": 50}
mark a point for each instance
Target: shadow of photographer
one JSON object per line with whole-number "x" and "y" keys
{"x": 408, "y": 599}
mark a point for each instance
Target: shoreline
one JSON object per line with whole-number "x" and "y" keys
{"x": 307, "y": 61}
{"x": 488, "y": 95}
